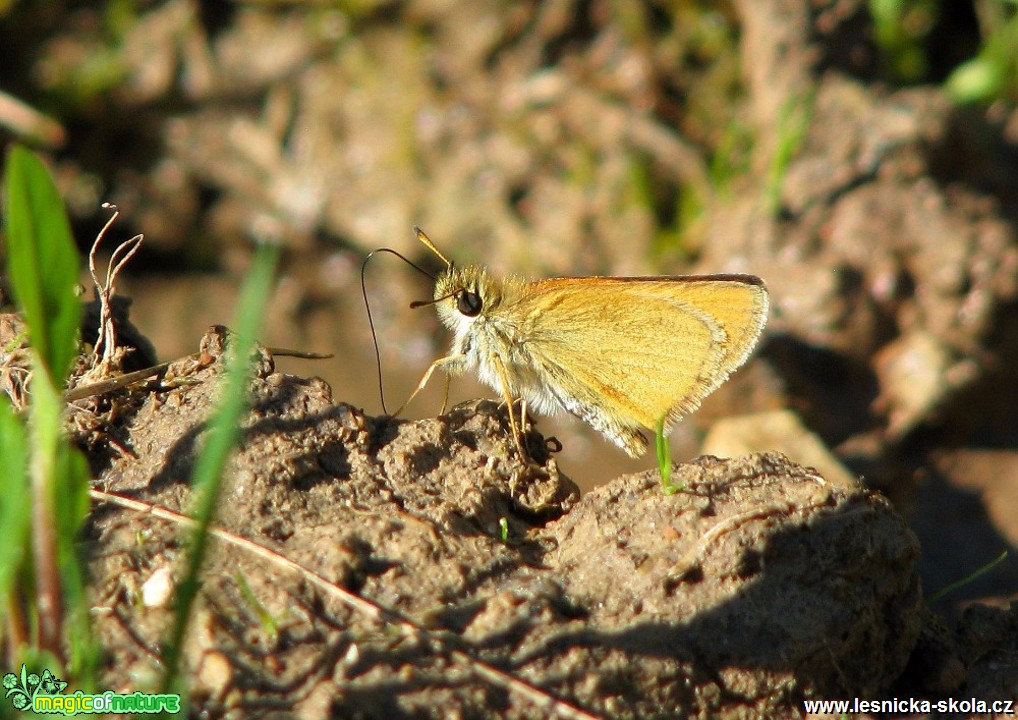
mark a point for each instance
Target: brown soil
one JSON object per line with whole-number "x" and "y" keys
{"x": 756, "y": 586}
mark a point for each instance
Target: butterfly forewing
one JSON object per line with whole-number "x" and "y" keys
{"x": 631, "y": 350}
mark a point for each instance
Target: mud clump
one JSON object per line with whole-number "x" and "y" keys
{"x": 373, "y": 567}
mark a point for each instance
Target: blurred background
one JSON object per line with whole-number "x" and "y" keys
{"x": 861, "y": 157}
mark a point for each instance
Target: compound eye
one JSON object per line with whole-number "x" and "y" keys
{"x": 469, "y": 303}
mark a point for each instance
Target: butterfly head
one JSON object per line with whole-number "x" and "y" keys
{"x": 463, "y": 295}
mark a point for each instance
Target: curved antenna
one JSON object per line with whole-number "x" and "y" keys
{"x": 367, "y": 306}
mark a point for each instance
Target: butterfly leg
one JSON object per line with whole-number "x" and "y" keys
{"x": 447, "y": 363}
{"x": 445, "y": 394}
{"x": 507, "y": 395}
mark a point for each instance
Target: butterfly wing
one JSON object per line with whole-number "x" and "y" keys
{"x": 621, "y": 353}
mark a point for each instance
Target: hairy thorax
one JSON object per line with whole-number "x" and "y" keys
{"x": 497, "y": 333}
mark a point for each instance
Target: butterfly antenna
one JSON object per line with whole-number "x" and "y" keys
{"x": 367, "y": 307}
{"x": 431, "y": 246}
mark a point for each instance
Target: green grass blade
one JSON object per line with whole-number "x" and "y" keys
{"x": 966, "y": 580}
{"x": 42, "y": 261}
{"x": 71, "y": 510}
{"x": 664, "y": 458}
{"x": 15, "y": 499}
{"x": 223, "y": 433}
{"x": 793, "y": 124}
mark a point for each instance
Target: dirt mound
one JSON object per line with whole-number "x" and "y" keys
{"x": 379, "y": 582}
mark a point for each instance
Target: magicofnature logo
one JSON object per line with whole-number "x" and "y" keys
{"x": 30, "y": 685}
{"x": 44, "y": 694}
